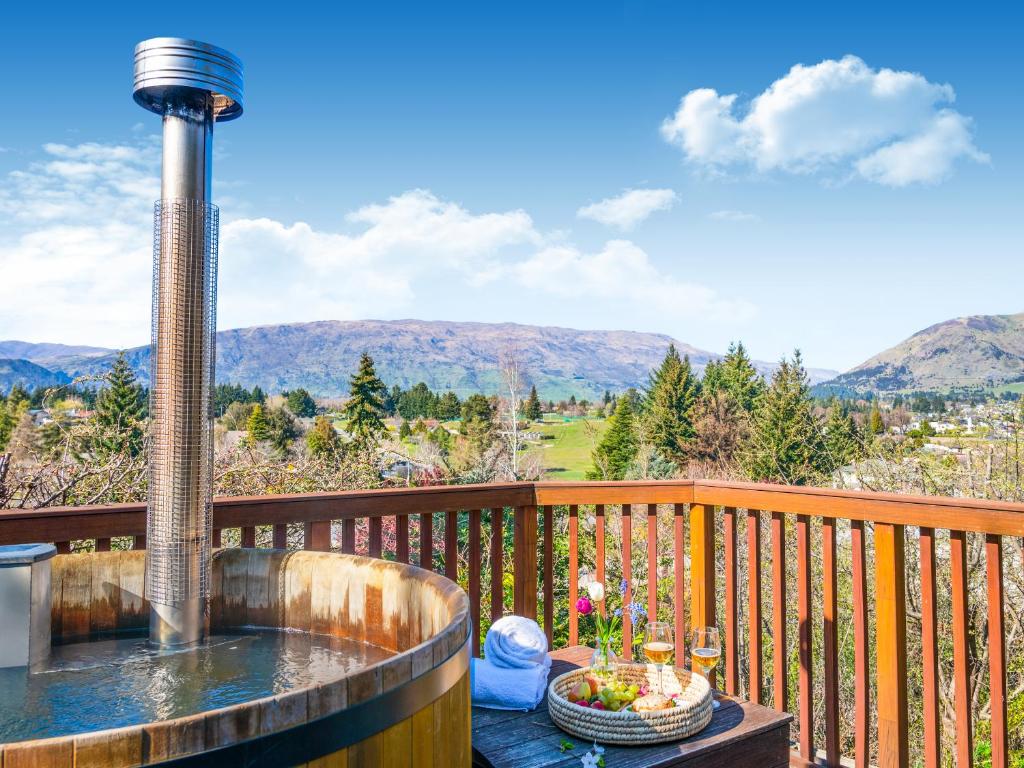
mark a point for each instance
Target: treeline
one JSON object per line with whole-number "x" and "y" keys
{"x": 731, "y": 422}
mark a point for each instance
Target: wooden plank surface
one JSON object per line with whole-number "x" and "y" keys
{"x": 549, "y": 574}
{"x": 930, "y": 651}
{"x": 961, "y": 646}
{"x": 740, "y": 734}
{"x": 627, "y": 575}
{"x": 891, "y": 646}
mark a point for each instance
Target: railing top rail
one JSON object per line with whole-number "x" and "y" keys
{"x": 963, "y": 514}
{"x": 981, "y": 516}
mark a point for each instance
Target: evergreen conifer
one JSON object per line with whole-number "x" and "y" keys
{"x": 364, "y": 410}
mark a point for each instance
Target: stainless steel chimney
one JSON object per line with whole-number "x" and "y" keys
{"x": 191, "y": 85}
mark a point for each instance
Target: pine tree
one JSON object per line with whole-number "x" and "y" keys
{"x": 258, "y": 396}
{"x": 712, "y": 382}
{"x": 607, "y": 397}
{"x": 786, "y": 444}
{"x": 842, "y": 441}
{"x": 364, "y": 411}
{"x": 301, "y": 403}
{"x": 876, "y": 425}
{"x": 322, "y": 438}
{"x": 404, "y": 431}
{"x": 533, "y": 410}
{"x": 120, "y": 412}
{"x": 256, "y": 427}
{"x": 739, "y": 376}
{"x": 669, "y": 406}
{"x": 618, "y": 447}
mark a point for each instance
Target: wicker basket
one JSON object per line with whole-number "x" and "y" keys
{"x": 690, "y": 715}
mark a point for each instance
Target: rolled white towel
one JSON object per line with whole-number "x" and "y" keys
{"x": 496, "y": 687}
{"x": 516, "y": 642}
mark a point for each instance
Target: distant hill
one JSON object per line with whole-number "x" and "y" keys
{"x": 980, "y": 350}
{"x": 48, "y": 355}
{"x": 28, "y": 375}
{"x": 463, "y": 357}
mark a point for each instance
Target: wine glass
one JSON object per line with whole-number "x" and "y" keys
{"x": 658, "y": 646}
{"x": 705, "y": 650}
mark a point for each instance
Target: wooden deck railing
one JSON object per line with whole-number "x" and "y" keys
{"x": 721, "y": 534}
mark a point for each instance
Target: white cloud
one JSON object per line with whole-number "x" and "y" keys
{"x": 733, "y": 216}
{"x": 622, "y": 271}
{"x": 890, "y": 127}
{"x": 76, "y": 259}
{"x": 630, "y": 208}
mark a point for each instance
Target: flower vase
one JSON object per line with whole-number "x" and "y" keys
{"x": 604, "y": 662}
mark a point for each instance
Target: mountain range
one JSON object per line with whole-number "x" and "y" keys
{"x": 462, "y": 357}
{"x": 975, "y": 351}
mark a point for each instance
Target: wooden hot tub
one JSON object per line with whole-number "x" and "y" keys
{"x": 412, "y": 708}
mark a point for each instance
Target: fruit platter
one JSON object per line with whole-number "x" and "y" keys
{"x": 636, "y": 707}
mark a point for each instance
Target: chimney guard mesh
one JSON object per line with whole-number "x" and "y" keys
{"x": 179, "y": 512}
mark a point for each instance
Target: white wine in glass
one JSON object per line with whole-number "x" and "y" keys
{"x": 705, "y": 650}
{"x": 658, "y": 645}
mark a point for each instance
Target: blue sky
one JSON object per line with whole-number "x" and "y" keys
{"x": 450, "y": 162}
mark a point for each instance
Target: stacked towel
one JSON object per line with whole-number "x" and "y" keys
{"x": 514, "y": 672}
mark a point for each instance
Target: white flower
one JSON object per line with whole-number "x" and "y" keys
{"x": 589, "y": 760}
{"x": 596, "y": 591}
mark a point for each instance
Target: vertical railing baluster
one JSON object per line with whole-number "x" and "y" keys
{"x": 63, "y": 547}
{"x": 754, "y": 692}
{"x": 248, "y": 536}
{"x": 702, "y": 569}
{"x": 574, "y": 565}
{"x": 732, "y": 651}
{"x": 375, "y": 544}
{"x": 891, "y": 645}
{"x": 861, "y": 690}
{"x": 830, "y": 640}
{"x": 805, "y": 634}
{"x": 473, "y": 555}
{"x": 930, "y": 651}
{"x": 451, "y": 545}
{"x": 280, "y": 536}
{"x": 215, "y": 538}
{"x": 961, "y": 657}
{"x": 996, "y": 649}
{"x": 402, "y": 538}
{"x": 549, "y": 575}
{"x": 524, "y": 573}
{"x": 627, "y": 575}
{"x": 497, "y": 563}
{"x": 652, "y": 562}
{"x": 780, "y": 651}
{"x": 139, "y": 542}
{"x": 103, "y": 545}
{"x": 348, "y": 536}
{"x": 317, "y": 536}
{"x": 427, "y": 541}
{"x": 679, "y": 574}
{"x": 599, "y": 546}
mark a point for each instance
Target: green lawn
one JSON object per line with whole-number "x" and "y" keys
{"x": 567, "y": 457}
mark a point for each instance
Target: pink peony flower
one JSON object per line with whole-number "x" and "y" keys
{"x": 584, "y": 606}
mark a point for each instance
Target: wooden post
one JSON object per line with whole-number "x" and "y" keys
{"x": 891, "y": 646}
{"x": 473, "y": 551}
{"x": 524, "y": 573}
{"x": 574, "y": 567}
{"x": 754, "y": 629}
{"x": 732, "y": 651}
{"x": 702, "y": 568}
{"x": 996, "y": 649}
{"x": 679, "y": 573}
{"x": 318, "y": 536}
{"x": 930, "y": 651}
{"x": 780, "y": 649}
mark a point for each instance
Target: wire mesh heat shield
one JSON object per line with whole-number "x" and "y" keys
{"x": 179, "y": 513}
